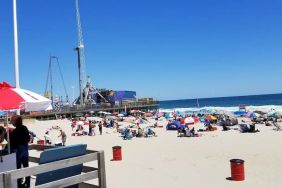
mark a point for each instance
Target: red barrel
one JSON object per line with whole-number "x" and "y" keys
{"x": 117, "y": 153}
{"x": 40, "y": 142}
{"x": 40, "y": 146}
{"x": 237, "y": 169}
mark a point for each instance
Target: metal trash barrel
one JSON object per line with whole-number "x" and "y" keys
{"x": 237, "y": 169}
{"x": 117, "y": 153}
{"x": 40, "y": 144}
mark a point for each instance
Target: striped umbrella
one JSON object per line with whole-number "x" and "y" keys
{"x": 12, "y": 98}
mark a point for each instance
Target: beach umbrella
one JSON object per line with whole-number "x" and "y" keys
{"x": 80, "y": 123}
{"x": 111, "y": 117}
{"x": 274, "y": 113}
{"x": 259, "y": 112}
{"x": 101, "y": 112}
{"x": 196, "y": 119}
{"x": 160, "y": 114}
{"x": 148, "y": 114}
{"x": 168, "y": 115}
{"x": 12, "y": 98}
{"x": 132, "y": 111}
{"x": 210, "y": 118}
{"x": 279, "y": 113}
{"x": 189, "y": 120}
{"x": 249, "y": 114}
{"x": 212, "y": 111}
{"x": 135, "y": 111}
{"x": 128, "y": 120}
{"x": 124, "y": 113}
{"x": 85, "y": 123}
{"x": 240, "y": 113}
{"x": 139, "y": 121}
{"x": 256, "y": 115}
{"x": 115, "y": 113}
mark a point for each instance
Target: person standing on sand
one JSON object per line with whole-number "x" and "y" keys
{"x": 19, "y": 144}
{"x": 64, "y": 137}
{"x": 100, "y": 127}
{"x": 90, "y": 125}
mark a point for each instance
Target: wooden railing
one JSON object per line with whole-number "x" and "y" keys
{"x": 89, "y": 173}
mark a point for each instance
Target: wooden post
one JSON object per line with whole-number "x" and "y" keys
{"x": 7, "y": 180}
{"x": 102, "y": 170}
{"x": 1, "y": 180}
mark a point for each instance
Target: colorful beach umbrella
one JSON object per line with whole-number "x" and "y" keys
{"x": 148, "y": 114}
{"x": 240, "y": 113}
{"x": 210, "y": 118}
{"x": 12, "y": 98}
{"x": 115, "y": 113}
{"x": 189, "y": 120}
{"x": 160, "y": 114}
{"x": 168, "y": 115}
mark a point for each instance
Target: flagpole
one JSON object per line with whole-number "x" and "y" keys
{"x": 16, "y": 47}
{"x": 16, "y": 50}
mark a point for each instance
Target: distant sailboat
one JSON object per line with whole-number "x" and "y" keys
{"x": 198, "y": 105}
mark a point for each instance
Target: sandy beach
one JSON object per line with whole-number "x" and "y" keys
{"x": 170, "y": 161}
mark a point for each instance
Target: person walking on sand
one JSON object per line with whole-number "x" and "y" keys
{"x": 64, "y": 137}
{"x": 100, "y": 127}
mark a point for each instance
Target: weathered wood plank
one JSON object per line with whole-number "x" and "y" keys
{"x": 102, "y": 170}
{"x": 87, "y": 185}
{"x": 20, "y": 173}
{"x": 88, "y": 169}
{"x": 70, "y": 181}
{"x": 1, "y": 180}
{"x": 7, "y": 180}
{"x": 34, "y": 159}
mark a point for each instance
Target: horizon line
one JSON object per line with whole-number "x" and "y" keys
{"x": 220, "y": 97}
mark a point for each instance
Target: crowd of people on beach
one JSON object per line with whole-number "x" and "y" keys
{"x": 186, "y": 124}
{"x": 135, "y": 125}
{"x": 79, "y": 126}
{"x": 246, "y": 122}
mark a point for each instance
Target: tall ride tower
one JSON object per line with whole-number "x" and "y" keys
{"x": 80, "y": 55}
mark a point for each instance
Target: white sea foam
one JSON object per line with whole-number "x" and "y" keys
{"x": 265, "y": 108}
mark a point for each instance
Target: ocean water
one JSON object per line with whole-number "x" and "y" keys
{"x": 253, "y": 102}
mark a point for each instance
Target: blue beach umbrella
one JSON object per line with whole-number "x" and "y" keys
{"x": 240, "y": 113}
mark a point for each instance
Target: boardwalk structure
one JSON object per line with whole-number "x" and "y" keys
{"x": 71, "y": 111}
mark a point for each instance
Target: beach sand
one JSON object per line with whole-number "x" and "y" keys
{"x": 169, "y": 161}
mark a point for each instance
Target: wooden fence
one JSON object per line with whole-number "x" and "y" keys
{"x": 89, "y": 173}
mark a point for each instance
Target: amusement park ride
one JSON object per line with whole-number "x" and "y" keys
{"x": 88, "y": 94}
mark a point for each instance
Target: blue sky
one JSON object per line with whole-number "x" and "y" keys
{"x": 168, "y": 49}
